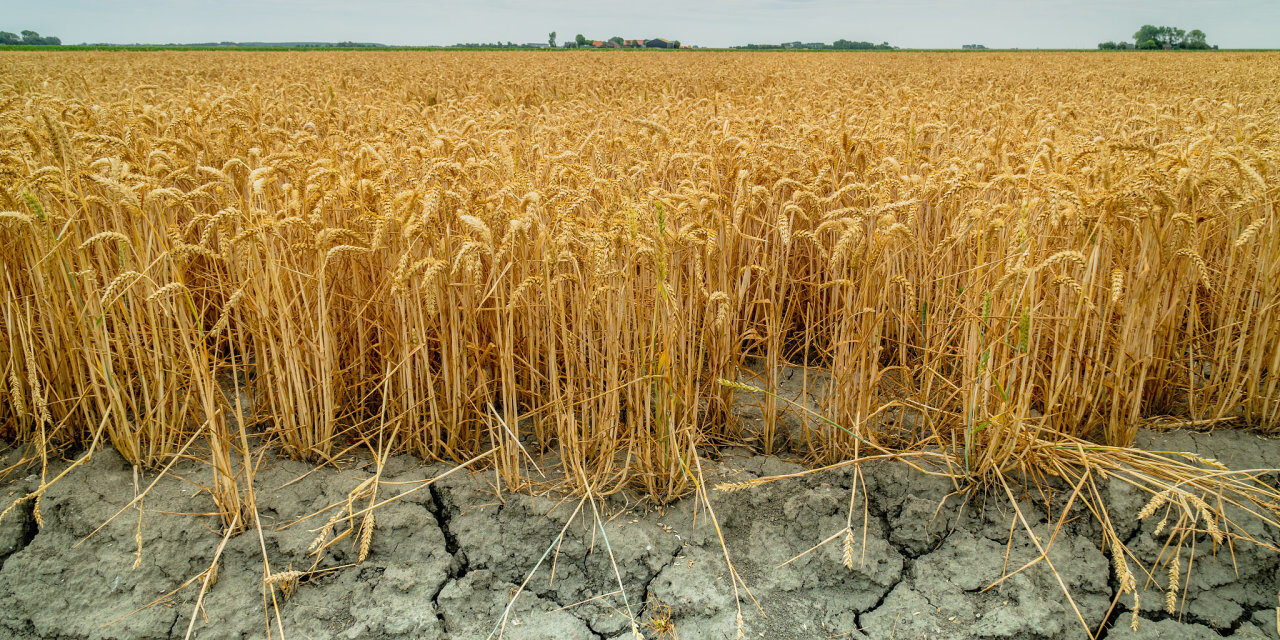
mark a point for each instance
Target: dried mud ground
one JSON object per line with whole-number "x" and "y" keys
{"x": 445, "y": 560}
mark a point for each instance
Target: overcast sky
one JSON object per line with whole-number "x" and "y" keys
{"x": 905, "y": 23}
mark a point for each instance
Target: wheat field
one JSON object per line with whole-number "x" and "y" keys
{"x": 597, "y": 255}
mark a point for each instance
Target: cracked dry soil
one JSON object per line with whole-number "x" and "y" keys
{"x": 445, "y": 561}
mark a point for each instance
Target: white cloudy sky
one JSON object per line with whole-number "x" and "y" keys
{"x": 906, "y": 23}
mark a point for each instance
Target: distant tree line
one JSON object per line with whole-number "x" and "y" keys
{"x": 858, "y": 44}
{"x": 841, "y": 44}
{"x": 27, "y": 37}
{"x": 498, "y": 45}
{"x": 345, "y": 44}
{"x": 580, "y": 41}
{"x": 1153, "y": 37}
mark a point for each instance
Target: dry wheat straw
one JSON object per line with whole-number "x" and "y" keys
{"x": 597, "y": 269}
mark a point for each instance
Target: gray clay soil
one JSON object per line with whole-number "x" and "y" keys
{"x": 445, "y": 560}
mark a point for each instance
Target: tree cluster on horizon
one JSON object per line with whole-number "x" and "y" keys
{"x": 1153, "y": 37}
{"x": 28, "y": 37}
{"x": 841, "y": 44}
{"x": 580, "y": 41}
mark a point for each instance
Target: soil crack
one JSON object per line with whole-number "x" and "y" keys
{"x": 459, "y": 567}
{"x": 644, "y": 593}
{"x": 27, "y": 529}
{"x": 1247, "y": 616}
{"x": 906, "y": 567}
{"x": 174, "y": 625}
{"x": 591, "y": 628}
